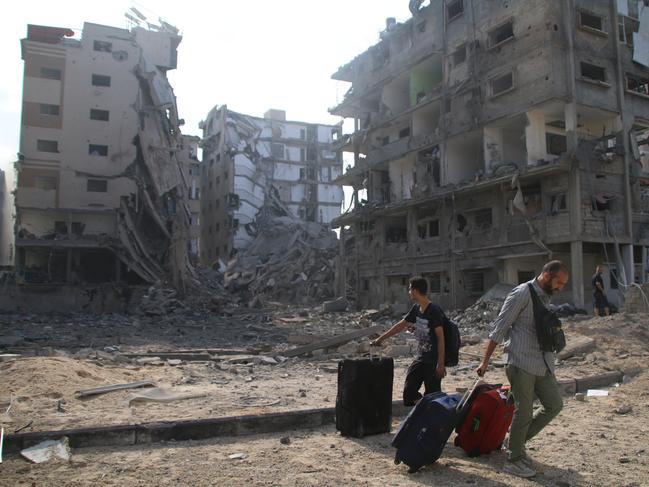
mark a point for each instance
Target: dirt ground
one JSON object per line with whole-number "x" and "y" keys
{"x": 586, "y": 445}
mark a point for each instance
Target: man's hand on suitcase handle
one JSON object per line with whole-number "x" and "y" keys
{"x": 481, "y": 370}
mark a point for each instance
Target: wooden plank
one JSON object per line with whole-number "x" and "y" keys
{"x": 334, "y": 341}
{"x": 115, "y": 387}
{"x": 576, "y": 344}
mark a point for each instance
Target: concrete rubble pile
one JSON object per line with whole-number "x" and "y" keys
{"x": 289, "y": 261}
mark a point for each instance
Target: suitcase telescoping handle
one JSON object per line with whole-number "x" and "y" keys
{"x": 380, "y": 351}
{"x": 467, "y": 395}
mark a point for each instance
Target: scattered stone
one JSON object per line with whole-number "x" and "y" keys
{"x": 174, "y": 361}
{"x": 285, "y": 440}
{"x": 48, "y": 450}
{"x": 580, "y": 396}
{"x": 149, "y": 361}
{"x": 336, "y": 305}
{"x": 238, "y": 456}
{"x": 302, "y": 392}
{"x": 623, "y": 409}
{"x": 624, "y": 460}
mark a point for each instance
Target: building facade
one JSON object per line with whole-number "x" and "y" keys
{"x": 490, "y": 136}
{"x": 188, "y": 156}
{"x": 249, "y": 162}
{"x": 99, "y": 190}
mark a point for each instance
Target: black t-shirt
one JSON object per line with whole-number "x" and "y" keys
{"x": 425, "y": 324}
{"x": 597, "y": 278}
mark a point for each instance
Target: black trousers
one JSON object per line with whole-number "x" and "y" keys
{"x": 420, "y": 372}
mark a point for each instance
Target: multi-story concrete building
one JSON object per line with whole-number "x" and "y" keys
{"x": 491, "y": 135}
{"x": 249, "y": 160}
{"x": 188, "y": 156}
{"x": 100, "y": 194}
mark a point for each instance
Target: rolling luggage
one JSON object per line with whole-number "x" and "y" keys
{"x": 422, "y": 436}
{"x": 489, "y": 414}
{"x": 364, "y": 399}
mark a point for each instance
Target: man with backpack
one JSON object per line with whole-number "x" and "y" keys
{"x": 426, "y": 321}
{"x": 529, "y": 369}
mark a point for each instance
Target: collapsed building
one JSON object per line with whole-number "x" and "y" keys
{"x": 188, "y": 157}
{"x": 101, "y": 194}
{"x": 255, "y": 167}
{"x": 490, "y": 136}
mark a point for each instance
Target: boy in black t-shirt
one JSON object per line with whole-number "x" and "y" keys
{"x": 426, "y": 321}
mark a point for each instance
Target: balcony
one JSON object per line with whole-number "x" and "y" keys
{"x": 36, "y": 198}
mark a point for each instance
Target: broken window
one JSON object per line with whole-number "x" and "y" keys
{"x": 637, "y": 84}
{"x": 459, "y": 55}
{"x": 593, "y": 72}
{"x": 627, "y": 27}
{"x": 502, "y": 84}
{"x": 385, "y": 140}
{"x": 434, "y": 282}
{"x": 366, "y": 284}
{"x": 97, "y": 150}
{"x": 461, "y": 222}
{"x": 396, "y": 231}
{"x": 428, "y": 229}
{"x": 78, "y": 228}
{"x": 102, "y": 46}
{"x": 405, "y": 132}
{"x": 277, "y": 151}
{"x": 47, "y": 109}
{"x": 483, "y": 219}
{"x": 474, "y": 282}
{"x": 455, "y": 8}
{"x": 501, "y": 34}
{"x": 232, "y": 200}
{"x": 47, "y": 145}
{"x": 97, "y": 185}
{"x": 61, "y": 228}
{"x": 51, "y": 73}
{"x": 421, "y": 27}
{"x": 100, "y": 80}
{"x": 525, "y": 276}
{"x": 102, "y": 115}
{"x": 591, "y": 22}
{"x": 558, "y": 203}
{"x": 556, "y": 144}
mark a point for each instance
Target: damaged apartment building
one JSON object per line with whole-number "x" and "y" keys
{"x": 101, "y": 193}
{"x": 491, "y": 136}
{"x": 249, "y": 163}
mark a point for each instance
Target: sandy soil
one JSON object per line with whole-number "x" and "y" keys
{"x": 589, "y": 444}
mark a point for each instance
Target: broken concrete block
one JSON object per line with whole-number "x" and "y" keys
{"x": 47, "y": 450}
{"x": 264, "y": 360}
{"x": 149, "y": 361}
{"x": 576, "y": 345}
{"x": 336, "y": 305}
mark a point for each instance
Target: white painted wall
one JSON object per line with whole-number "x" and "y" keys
{"x": 402, "y": 177}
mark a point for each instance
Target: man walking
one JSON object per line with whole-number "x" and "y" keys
{"x": 600, "y": 303}
{"x": 426, "y": 321}
{"x": 529, "y": 370}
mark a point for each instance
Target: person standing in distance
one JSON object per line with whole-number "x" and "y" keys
{"x": 426, "y": 321}
{"x": 600, "y": 303}
{"x": 529, "y": 370}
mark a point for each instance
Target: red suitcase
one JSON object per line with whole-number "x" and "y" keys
{"x": 487, "y": 420}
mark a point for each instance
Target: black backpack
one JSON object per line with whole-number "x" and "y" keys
{"x": 548, "y": 326}
{"x": 452, "y": 340}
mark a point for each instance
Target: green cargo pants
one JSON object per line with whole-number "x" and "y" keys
{"x": 527, "y": 423}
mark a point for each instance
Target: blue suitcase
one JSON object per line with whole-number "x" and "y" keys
{"x": 422, "y": 436}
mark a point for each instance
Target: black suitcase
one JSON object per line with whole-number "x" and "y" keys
{"x": 364, "y": 400}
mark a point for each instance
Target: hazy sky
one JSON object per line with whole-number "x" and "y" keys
{"x": 251, "y": 55}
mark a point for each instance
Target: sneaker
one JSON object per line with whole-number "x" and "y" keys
{"x": 518, "y": 468}
{"x": 527, "y": 461}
